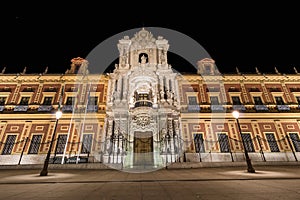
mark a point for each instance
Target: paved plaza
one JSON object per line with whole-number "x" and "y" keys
{"x": 269, "y": 182}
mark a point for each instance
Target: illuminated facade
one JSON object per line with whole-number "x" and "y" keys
{"x": 146, "y": 114}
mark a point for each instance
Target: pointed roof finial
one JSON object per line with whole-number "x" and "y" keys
{"x": 24, "y": 70}
{"x": 276, "y": 71}
{"x": 296, "y": 70}
{"x": 257, "y": 71}
{"x": 3, "y": 70}
{"x": 46, "y": 70}
{"x": 237, "y": 70}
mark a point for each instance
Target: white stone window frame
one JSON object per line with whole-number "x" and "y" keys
{"x": 257, "y": 94}
{"x": 5, "y": 94}
{"x": 48, "y": 94}
{"x": 96, "y": 94}
{"x": 193, "y": 138}
{"x": 26, "y": 94}
{"x": 234, "y": 94}
{"x": 37, "y": 133}
{"x": 69, "y": 94}
{"x": 296, "y": 94}
{"x": 192, "y": 94}
{"x": 278, "y": 94}
{"x": 92, "y": 142}
{"x": 214, "y": 94}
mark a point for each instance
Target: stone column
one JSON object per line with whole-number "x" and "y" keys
{"x": 171, "y": 133}
{"x": 125, "y": 88}
{"x": 265, "y": 91}
{"x": 162, "y": 92}
{"x": 38, "y": 93}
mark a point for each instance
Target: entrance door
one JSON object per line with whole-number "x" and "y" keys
{"x": 143, "y": 149}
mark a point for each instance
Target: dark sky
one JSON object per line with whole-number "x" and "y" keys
{"x": 235, "y": 35}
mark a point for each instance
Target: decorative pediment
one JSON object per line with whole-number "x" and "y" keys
{"x": 143, "y": 39}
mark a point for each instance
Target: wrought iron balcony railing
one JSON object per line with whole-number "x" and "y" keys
{"x": 45, "y": 108}
{"x": 143, "y": 103}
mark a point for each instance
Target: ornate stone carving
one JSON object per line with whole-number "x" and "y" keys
{"x": 142, "y": 120}
{"x": 143, "y": 39}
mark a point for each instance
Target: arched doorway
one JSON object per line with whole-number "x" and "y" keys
{"x": 143, "y": 149}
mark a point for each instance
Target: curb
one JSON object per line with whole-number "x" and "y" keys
{"x": 183, "y": 165}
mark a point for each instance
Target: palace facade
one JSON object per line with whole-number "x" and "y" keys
{"x": 146, "y": 114}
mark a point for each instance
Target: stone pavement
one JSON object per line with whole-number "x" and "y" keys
{"x": 269, "y": 182}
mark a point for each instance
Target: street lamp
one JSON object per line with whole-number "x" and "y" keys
{"x": 44, "y": 171}
{"x": 250, "y": 169}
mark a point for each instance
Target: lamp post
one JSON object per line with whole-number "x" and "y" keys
{"x": 250, "y": 169}
{"x": 44, "y": 171}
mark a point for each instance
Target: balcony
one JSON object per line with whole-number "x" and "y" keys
{"x": 21, "y": 108}
{"x": 193, "y": 108}
{"x": 216, "y": 107}
{"x": 283, "y": 107}
{"x": 92, "y": 108}
{"x": 143, "y": 103}
{"x": 261, "y": 108}
{"x": 239, "y": 107}
{"x": 67, "y": 108}
{"x": 45, "y": 108}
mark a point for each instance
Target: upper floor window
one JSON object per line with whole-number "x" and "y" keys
{"x": 2, "y": 101}
{"x": 70, "y": 100}
{"x": 192, "y": 100}
{"x": 47, "y": 101}
{"x": 93, "y": 100}
{"x": 214, "y": 100}
{"x": 279, "y": 100}
{"x": 236, "y": 100}
{"x": 257, "y": 100}
{"x": 143, "y": 96}
{"x": 24, "y": 100}
{"x": 298, "y": 99}
{"x": 207, "y": 69}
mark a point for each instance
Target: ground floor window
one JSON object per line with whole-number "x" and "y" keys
{"x": 61, "y": 142}
{"x": 86, "y": 143}
{"x": 224, "y": 143}
{"x": 248, "y": 142}
{"x": 199, "y": 144}
{"x": 272, "y": 142}
{"x": 35, "y": 144}
{"x": 296, "y": 141}
{"x": 9, "y": 144}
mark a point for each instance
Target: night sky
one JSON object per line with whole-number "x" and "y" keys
{"x": 244, "y": 36}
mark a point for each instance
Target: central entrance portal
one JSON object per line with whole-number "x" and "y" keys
{"x": 143, "y": 149}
